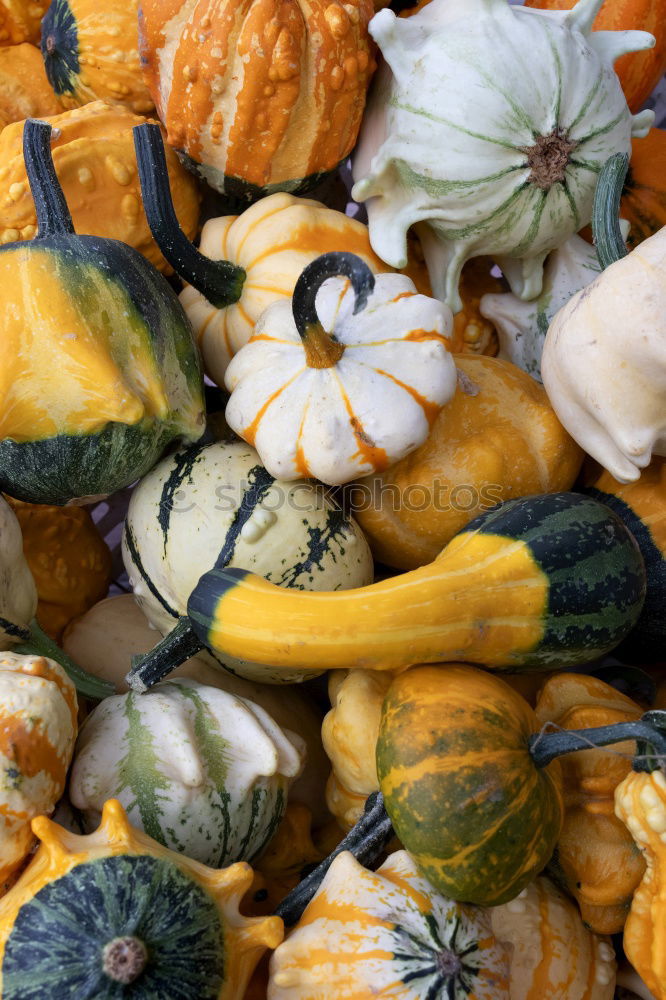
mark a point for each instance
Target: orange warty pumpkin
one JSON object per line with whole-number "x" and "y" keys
{"x": 24, "y": 90}
{"x": 639, "y": 72}
{"x": 644, "y": 195}
{"x": 20, "y": 20}
{"x": 262, "y": 97}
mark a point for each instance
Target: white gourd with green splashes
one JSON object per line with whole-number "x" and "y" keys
{"x": 198, "y": 769}
{"x": 486, "y": 130}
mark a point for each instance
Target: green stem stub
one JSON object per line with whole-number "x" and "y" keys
{"x": 608, "y": 238}
{"x": 39, "y": 643}
{"x": 544, "y": 747}
{"x": 181, "y": 643}
{"x": 53, "y": 215}
{"x": 329, "y": 265}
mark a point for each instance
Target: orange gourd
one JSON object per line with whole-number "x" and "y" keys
{"x": 639, "y": 72}
{"x": 24, "y": 90}
{"x": 20, "y": 20}
{"x": 644, "y": 194}
{"x": 472, "y": 332}
{"x": 69, "y": 561}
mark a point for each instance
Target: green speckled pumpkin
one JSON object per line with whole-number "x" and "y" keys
{"x": 100, "y": 372}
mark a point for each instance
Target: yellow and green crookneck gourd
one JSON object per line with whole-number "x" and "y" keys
{"x": 470, "y": 781}
{"x": 91, "y": 57}
{"x": 199, "y": 770}
{"x": 387, "y": 933}
{"x": 486, "y": 129}
{"x": 612, "y": 397}
{"x": 552, "y": 579}
{"x": 99, "y": 369}
{"x": 114, "y": 915}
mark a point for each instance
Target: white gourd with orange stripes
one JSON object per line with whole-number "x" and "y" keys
{"x": 272, "y": 241}
{"x": 342, "y": 412}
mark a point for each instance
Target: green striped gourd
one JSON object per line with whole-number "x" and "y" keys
{"x": 217, "y": 503}
{"x": 487, "y": 128}
{"x": 201, "y": 771}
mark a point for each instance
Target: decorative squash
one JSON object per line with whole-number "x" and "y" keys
{"x": 94, "y": 159}
{"x": 90, "y": 58}
{"x": 69, "y": 561}
{"x": 472, "y": 332}
{"x": 552, "y": 954}
{"x": 20, "y": 20}
{"x": 198, "y": 769}
{"x": 640, "y": 802}
{"x": 18, "y": 593}
{"x": 595, "y": 855}
{"x": 117, "y": 914}
{"x": 24, "y": 90}
{"x": 346, "y": 806}
{"x": 100, "y": 371}
{"x": 642, "y": 507}
{"x": 522, "y": 326}
{"x": 629, "y": 986}
{"x": 543, "y": 580}
{"x": 386, "y": 933}
{"x": 244, "y": 262}
{"x": 496, "y": 439}
{"x": 509, "y": 170}
{"x": 639, "y": 72}
{"x": 217, "y": 501}
{"x": 608, "y": 387}
{"x": 38, "y": 725}
{"x": 643, "y": 201}
{"x": 289, "y": 856}
{"x": 346, "y": 386}
{"x": 258, "y": 98}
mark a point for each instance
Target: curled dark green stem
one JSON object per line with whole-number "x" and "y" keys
{"x": 545, "y": 747}
{"x": 220, "y": 281}
{"x": 366, "y": 841}
{"x": 181, "y": 643}
{"x": 53, "y": 215}
{"x": 329, "y": 265}
{"x": 38, "y": 643}
{"x": 608, "y": 238}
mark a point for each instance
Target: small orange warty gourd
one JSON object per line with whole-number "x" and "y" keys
{"x": 118, "y": 914}
{"x": 93, "y": 154}
{"x": 639, "y": 72}
{"x": 20, "y": 20}
{"x": 24, "y": 90}
{"x": 261, "y": 97}
{"x": 643, "y": 201}
{"x": 595, "y": 854}
{"x": 289, "y": 856}
{"x": 69, "y": 560}
{"x": 38, "y": 725}
{"x": 472, "y": 332}
{"x": 640, "y": 802}
{"x": 498, "y": 438}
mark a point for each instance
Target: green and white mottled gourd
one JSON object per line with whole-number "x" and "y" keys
{"x": 201, "y": 771}
{"x": 486, "y": 130}
{"x": 388, "y": 934}
{"x": 218, "y": 502}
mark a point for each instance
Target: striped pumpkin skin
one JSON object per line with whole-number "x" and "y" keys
{"x": 273, "y": 241}
{"x": 460, "y": 786}
{"x": 258, "y": 98}
{"x": 38, "y": 723}
{"x": 387, "y": 933}
{"x": 639, "y": 72}
{"x": 552, "y": 953}
{"x": 549, "y": 580}
{"x": 18, "y": 593}
{"x": 217, "y": 502}
{"x": 199, "y": 770}
{"x": 117, "y": 881}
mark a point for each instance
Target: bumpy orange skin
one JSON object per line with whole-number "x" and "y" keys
{"x": 269, "y": 93}
{"x": 24, "y": 90}
{"x": 20, "y": 20}
{"x": 639, "y": 72}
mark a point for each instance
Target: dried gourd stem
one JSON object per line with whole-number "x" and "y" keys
{"x": 176, "y": 647}
{"x": 648, "y": 732}
{"x": 124, "y": 959}
{"x": 53, "y": 215}
{"x": 608, "y": 239}
{"x": 220, "y": 281}
{"x": 37, "y": 643}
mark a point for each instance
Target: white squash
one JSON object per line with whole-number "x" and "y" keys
{"x": 346, "y": 387}
{"x": 199, "y": 770}
{"x": 604, "y": 362}
{"x": 387, "y": 934}
{"x": 487, "y": 127}
{"x": 18, "y": 593}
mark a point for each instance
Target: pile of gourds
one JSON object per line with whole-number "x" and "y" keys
{"x": 382, "y": 712}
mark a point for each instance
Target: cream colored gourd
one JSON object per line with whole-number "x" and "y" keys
{"x": 346, "y": 388}
{"x": 198, "y": 769}
{"x": 388, "y": 934}
{"x": 18, "y": 593}
{"x": 553, "y": 955}
{"x": 604, "y": 362}
{"x": 217, "y": 502}
{"x": 486, "y": 129}
{"x": 37, "y": 732}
